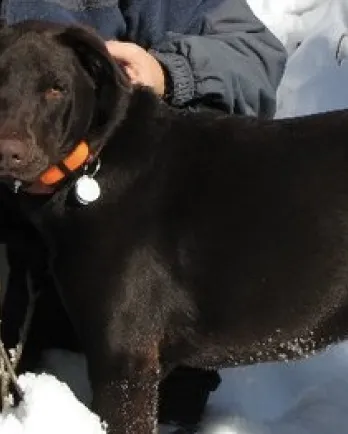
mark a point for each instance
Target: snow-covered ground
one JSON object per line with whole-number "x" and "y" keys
{"x": 306, "y": 397}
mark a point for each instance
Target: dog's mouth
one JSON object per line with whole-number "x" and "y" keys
{"x": 26, "y": 181}
{"x": 40, "y": 177}
{"x": 27, "y": 174}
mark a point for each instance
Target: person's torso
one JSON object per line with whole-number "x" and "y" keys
{"x": 145, "y": 22}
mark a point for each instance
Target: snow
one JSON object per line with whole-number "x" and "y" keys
{"x": 49, "y": 407}
{"x": 304, "y": 397}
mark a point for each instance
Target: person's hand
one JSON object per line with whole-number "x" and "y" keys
{"x": 140, "y": 66}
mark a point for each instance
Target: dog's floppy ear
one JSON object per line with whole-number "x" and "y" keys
{"x": 112, "y": 86}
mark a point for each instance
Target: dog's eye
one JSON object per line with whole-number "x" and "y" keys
{"x": 54, "y": 93}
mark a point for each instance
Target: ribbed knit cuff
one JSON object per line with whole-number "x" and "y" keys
{"x": 180, "y": 76}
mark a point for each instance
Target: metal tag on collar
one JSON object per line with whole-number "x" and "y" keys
{"x": 87, "y": 189}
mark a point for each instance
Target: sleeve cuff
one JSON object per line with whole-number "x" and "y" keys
{"x": 181, "y": 77}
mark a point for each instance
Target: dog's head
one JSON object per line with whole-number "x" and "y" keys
{"x": 58, "y": 87}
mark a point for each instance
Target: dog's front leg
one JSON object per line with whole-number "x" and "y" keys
{"x": 125, "y": 393}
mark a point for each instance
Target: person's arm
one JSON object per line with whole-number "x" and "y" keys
{"x": 235, "y": 64}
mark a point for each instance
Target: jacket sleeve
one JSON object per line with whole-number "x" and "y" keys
{"x": 234, "y": 65}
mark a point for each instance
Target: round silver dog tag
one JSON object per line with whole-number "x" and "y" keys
{"x": 87, "y": 190}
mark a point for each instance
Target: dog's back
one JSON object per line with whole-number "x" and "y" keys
{"x": 253, "y": 224}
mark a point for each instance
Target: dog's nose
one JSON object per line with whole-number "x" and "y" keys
{"x": 13, "y": 153}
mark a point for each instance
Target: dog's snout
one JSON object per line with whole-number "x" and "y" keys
{"x": 13, "y": 153}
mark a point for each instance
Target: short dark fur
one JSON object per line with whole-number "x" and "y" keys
{"x": 218, "y": 240}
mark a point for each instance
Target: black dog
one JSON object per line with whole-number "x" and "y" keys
{"x": 216, "y": 241}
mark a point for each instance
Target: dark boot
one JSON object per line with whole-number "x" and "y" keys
{"x": 184, "y": 395}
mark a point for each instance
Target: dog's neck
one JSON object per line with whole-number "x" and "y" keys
{"x": 81, "y": 156}
{"x": 133, "y": 138}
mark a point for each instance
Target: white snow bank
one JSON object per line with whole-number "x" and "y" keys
{"x": 49, "y": 408}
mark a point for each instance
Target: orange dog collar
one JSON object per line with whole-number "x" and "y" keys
{"x": 70, "y": 163}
